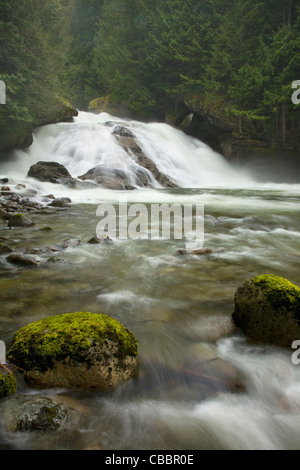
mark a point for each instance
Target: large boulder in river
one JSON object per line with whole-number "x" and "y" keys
{"x": 267, "y": 310}
{"x": 51, "y": 172}
{"x": 82, "y": 350}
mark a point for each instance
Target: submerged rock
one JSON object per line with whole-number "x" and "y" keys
{"x": 202, "y": 252}
{"x": 199, "y": 252}
{"x": 181, "y": 252}
{"x": 33, "y": 413}
{"x": 20, "y": 220}
{"x": 82, "y": 350}
{"x": 22, "y": 260}
{"x": 5, "y": 250}
{"x": 69, "y": 242}
{"x": 4, "y": 215}
{"x": 267, "y": 310}
{"x": 100, "y": 241}
{"x": 8, "y": 383}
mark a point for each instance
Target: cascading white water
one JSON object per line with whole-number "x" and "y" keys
{"x": 87, "y": 143}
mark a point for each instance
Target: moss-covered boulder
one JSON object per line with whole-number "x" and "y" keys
{"x": 8, "y": 383}
{"x": 82, "y": 350}
{"x": 267, "y": 309}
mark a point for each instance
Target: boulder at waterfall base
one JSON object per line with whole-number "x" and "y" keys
{"x": 82, "y": 350}
{"x": 51, "y": 172}
{"x": 267, "y": 310}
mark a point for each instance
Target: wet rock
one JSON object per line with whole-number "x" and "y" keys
{"x": 123, "y": 132}
{"x": 22, "y": 260}
{"x": 109, "y": 178}
{"x": 5, "y": 250}
{"x": 20, "y": 220}
{"x": 100, "y": 241}
{"x": 82, "y": 350}
{"x": 267, "y": 310}
{"x": 202, "y": 252}
{"x": 4, "y": 181}
{"x": 57, "y": 259}
{"x": 28, "y": 193}
{"x": 199, "y": 252}
{"x": 34, "y": 413}
{"x": 14, "y": 197}
{"x": 181, "y": 253}
{"x": 5, "y": 191}
{"x": 37, "y": 251}
{"x": 61, "y": 202}
{"x": 51, "y": 172}
{"x": 209, "y": 328}
{"x": 8, "y": 383}
{"x": 131, "y": 146}
{"x": 69, "y": 242}
{"x": 28, "y": 204}
{"x": 4, "y": 215}
{"x": 47, "y": 210}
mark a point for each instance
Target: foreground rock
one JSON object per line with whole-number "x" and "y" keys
{"x": 8, "y": 383}
{"x": 21, "y": 260}
{"x": 20, "y": 220}
{"x": 86, "y": 351}
{"x": 33, "y": 413}
{"x": 267, "y": 309}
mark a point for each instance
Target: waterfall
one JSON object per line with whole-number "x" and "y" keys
{"x": 90, "y": 141}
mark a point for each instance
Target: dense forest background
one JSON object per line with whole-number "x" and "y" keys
{"x": 228, "y": 63}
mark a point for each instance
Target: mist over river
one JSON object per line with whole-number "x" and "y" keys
{"x": 179, "y": 307}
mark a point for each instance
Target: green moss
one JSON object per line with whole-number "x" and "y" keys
{"x": 54, "y": 339}
{"x": 279, "y": 291}
{"x": 8, "y": 384}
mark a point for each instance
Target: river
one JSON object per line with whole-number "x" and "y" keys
{"x": 179, "y": 307}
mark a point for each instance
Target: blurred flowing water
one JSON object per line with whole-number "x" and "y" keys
{"x": 179, "y": 307}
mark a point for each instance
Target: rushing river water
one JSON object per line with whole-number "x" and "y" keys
{"x": 179, "y": 307}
